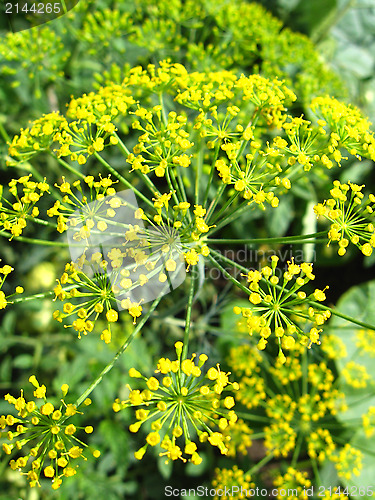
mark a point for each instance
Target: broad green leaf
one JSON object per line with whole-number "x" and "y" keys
{"x": 230, "y": 330}
{"x": 356, "y": 59}
{"x": 117, "y": 438}
{"x": 309, "y": 17}
{"x": 24, "y": 361}
{"x": 197, "y": 470}
{"x": 6, "y": 369}
{"x": 165, "y": 468}
{"x": 357, "y": 171}
{"x": 288, "y": 5}
{"x": 328, "y": 475}
{"x": 366, "y": 478}
{"x": 358, "y": 303}
{"x": 278, "y": 220}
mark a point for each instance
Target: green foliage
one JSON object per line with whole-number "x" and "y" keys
{"x": 357, "y": 301}
{"x": 97, "y": 44}
{"x": 42, "y": 67}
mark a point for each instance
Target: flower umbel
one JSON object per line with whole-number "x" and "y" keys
{"x": 351, "y": 215}
{"x": 282, "y": 309}
{"x": 233, "y": 481}
{"x": 4, "y": 299}
{"x": 53, "y": 448}
{"x": 13, "y": 215}
{"x": 302, "y": 415}
{"x": 183, "y": 404}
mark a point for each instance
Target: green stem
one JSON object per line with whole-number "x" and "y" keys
{"x": 304, "y": 364}
{"x": 312, "y": 302}
{"x": 36, "y": 241}
{"x": 151, "y": 186}
{"x": 225, "y": 207}
{"x": 32, "y": 297}
{"x": 145, "y": 178}
{"x": 121, "y": 145}
{"x": 286, "y": 239}
{"x": 179, "y": 181}
{"x": 172, "y": 187}
{"x": 228, "y": 275}
{"x": 316, "y": 472}
{"x": 212, "y": 171}
{"x": 330, "y": 21}
{"x": 235, "y": 215}
{"x": 199, "y": 171}
{"x": 163, "y": 110}
{"x": 257, "y": 435}
{"x": 122, "y": 349}
{"x": 297, "y": 450}
{"x": 4, "y": 133}
{"x": 260, "y": 464}
{"x": 41, "y": 221}
{"x": 234, "y": 211}
{"x": 341, "y": 315}
{"x": 69, "y": 167}
{"x": 123, "y": 180}
{"x": 215, "y": 201}
{"x": 188, "y": 316}
{"x": 254, "y": 418}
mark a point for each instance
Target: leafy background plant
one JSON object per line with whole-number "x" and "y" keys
{"x": 40, "y": 69}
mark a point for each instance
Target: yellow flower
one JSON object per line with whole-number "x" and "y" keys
{"x": 3, "y": 301}
{"x": 112, "y": 315}
{"x": 49, "y": 471}
{"x": 179, "y": 391}
{"x": 153, "y": 438}
{"x": 50, "y": 439}
{"x": 47, "y": 409}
